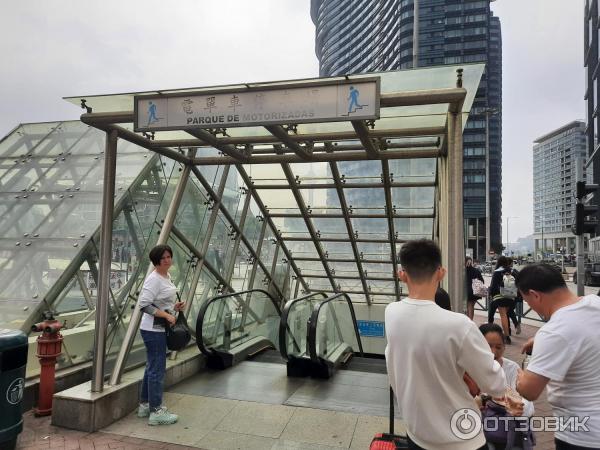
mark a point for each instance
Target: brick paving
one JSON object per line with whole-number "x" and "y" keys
{"x": 39, "y": 433}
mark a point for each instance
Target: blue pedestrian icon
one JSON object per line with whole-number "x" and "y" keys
{"x": 353, "y": 104}
{"x": 152, "y": 113}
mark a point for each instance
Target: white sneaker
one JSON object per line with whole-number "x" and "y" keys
{"x": 143, "y": 410}
{"x": 162, "y": 417}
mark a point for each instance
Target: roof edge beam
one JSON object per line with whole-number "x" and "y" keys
{"x": 424, "y": 97}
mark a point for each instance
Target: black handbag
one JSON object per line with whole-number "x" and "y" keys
{"x": 178, "y": 335}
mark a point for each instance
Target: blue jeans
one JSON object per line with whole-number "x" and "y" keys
{"x": 156, "y": 364}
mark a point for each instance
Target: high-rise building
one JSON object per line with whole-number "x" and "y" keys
{"x": 372, "y": 35}
{"x": 554, "y": 156}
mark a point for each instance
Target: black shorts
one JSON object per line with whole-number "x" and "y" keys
{"x": 504, "y": 302}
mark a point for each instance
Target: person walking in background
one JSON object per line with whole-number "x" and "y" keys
{"x": 501, "y": 280}
{"x": 565, "y": 355}
{"x": 428, "y": 352}
{"x": 472, "y": 273}
{"x": 158, "y": 301}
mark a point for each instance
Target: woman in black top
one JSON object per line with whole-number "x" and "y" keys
{"x": 499, "y": 301}
{"x": 472, "y": 274}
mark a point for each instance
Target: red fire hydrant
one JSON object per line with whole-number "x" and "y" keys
{"x": 49, "y": 347}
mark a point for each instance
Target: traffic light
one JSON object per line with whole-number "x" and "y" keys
{"x": 586, "y": 220}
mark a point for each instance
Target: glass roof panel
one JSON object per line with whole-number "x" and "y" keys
{"x": 379, "y": 269}
{"x": 376, "y": 251}
{"x": 414, "y": 228}
{"x": 266, "y": 174}
{"x": 338, "y": 249}
{"x": 360, "y": 171}
{"x": 365, "y": 197}
{"x": 370, "y": 228}
{"x": 417, "y": 200}
{"x": 405, "y": 170}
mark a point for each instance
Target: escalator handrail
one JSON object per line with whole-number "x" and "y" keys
{"x": 314, "y": 320}
{"x": 284, "y": 326}
{"x": 200, "y": 320}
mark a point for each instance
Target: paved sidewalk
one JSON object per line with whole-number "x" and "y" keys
{"x": 228, "y": 424}
{"x": 38, "y": 433}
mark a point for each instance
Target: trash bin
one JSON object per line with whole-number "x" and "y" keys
{"x": 13, "y": 359}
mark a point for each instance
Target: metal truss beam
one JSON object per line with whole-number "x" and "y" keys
{"x": 355, "y": 215}
{"x": 201, "y": 257}
{"x": 416, "y": 153}
{"x": 342, "y": 260}
{"x": 212, "y": 141}
{"x": 347, "y": 185}
{"x": 309, "y": 225}
{"x": 231, "y": 221}
{"x": 373, "y": 294}
{"x": 136, "y": 139}
{"x": 351, "y": 235}
{"x": 280, "y": 133}
{"x": 265, "y": 213}
{"x": 389, "y": 209}
{"x": 332, "y": 239}
{"x": 362, "y": 131}
{"x": 348, "y": 277}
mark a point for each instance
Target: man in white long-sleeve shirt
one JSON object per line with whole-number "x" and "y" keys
{"x": 428, "y": 352}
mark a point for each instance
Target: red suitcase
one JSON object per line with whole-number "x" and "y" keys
{"x": 389, "y": 441}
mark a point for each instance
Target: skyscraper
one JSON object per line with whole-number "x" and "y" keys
{"x": 554, "y": 156}
{"x": 373, "y": 35}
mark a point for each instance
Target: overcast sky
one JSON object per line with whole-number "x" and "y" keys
{"x": 52, "y": 49}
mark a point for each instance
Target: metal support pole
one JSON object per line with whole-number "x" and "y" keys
{"x": 456, "y": 243}
{"x": 136, "y": 314}
{"x": 580, "y": 240}
{"x": 488, "y": 218}
{"x": 108, "y": 202}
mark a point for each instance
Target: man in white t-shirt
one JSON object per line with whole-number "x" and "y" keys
{"x": 428, "y": 352}
{"x": 565, "y": 357}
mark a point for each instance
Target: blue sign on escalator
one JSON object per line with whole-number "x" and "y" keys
{"x": 371, "y": 328}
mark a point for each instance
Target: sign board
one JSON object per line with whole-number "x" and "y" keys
{"x": 289, "y": 104}
{"x": 371, "y": 328}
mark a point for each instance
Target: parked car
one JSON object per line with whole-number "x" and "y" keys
{"x": 592, "y": 274}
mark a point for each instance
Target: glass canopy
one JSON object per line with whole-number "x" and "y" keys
{"x": 321, "y": 207}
